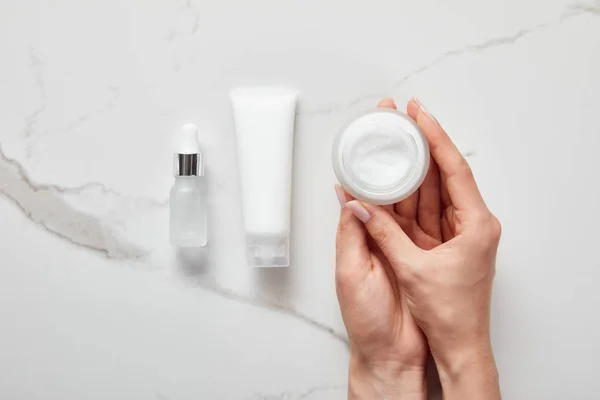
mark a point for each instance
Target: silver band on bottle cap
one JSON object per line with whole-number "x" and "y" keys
{"x": 188, "y": 164}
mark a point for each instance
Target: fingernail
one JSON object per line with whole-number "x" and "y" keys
{"x": 424, "y": 109}
{"x": 358, "y": 210}
{"x": 387, "y": 102}
{"x": 341, "y": 195}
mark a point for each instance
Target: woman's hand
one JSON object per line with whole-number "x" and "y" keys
{"x": 441, "y": 245}
{"x": 388, "y": 349}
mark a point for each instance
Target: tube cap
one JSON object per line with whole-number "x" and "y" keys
{"x": 268, "y": 250}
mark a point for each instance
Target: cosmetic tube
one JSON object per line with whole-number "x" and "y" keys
{"x": 264, "y": 130}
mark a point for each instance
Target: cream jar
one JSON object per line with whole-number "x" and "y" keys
{"x": 380, "y": 156}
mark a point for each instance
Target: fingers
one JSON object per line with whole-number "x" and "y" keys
{"x": 447, "y": 228}
{"x": 429, "y": 209}
{"x": 389, "y": 236}
{"x": 387, "y": 103}
{"x": 446, "y": 201}
{"x": 458, "y": 176}
{"x": 351, "y": 241}
{"x": 408, "y": 207}
{"x": 412, "y": 109}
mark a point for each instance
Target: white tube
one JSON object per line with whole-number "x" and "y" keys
{"x": 264, "y": 126}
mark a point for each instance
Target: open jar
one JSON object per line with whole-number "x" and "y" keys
{"x": 380, "y": 156}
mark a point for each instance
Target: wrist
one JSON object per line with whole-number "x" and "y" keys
{"x": 385, "y": 380}
{"x": 469, "y": 372}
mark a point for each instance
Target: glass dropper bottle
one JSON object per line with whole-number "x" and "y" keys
{"x": 189, "y": 197}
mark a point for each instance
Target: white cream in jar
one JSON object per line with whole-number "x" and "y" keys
{"x": 380, "y": 156}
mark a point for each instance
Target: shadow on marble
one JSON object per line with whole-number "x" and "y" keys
{"x": 194, "y": 262}
{"x": 273, "y": 283}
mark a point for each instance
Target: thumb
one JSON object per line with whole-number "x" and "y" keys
{"x": 395, "y": 244}
{"x": 352, "y": 253}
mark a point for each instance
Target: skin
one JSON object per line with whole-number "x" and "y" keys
{"x": 416, "y": 277}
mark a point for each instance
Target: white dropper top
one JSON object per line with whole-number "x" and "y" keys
{"x": 188, "y": 140}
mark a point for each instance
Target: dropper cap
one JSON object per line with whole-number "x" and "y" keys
{"x": 188, "y": 160}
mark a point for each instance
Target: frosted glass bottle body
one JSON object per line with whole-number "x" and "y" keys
{"x": 189, "y": 212}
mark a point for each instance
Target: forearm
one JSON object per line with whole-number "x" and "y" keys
{"x": 388, "y": 382}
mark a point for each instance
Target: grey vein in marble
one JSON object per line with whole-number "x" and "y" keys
{"x": 270, "y": 304}
{"x": 79, "y": 120}
{"x": 115, "y": 94}
{"x": 196, "y": 23}
{"x": 302, "y": 396}
{"x": 31, "y": 120}
{"x": 571, "y": 11}
{"x": 318, "y": 389}
{"x": 175, "y": 32}
{"x": 44, "y": 205}
{"x": 588, "y": 8}
{"x": 145, "y": 202}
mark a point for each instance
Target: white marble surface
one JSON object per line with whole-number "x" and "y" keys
{"x": 94, "y": 304}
